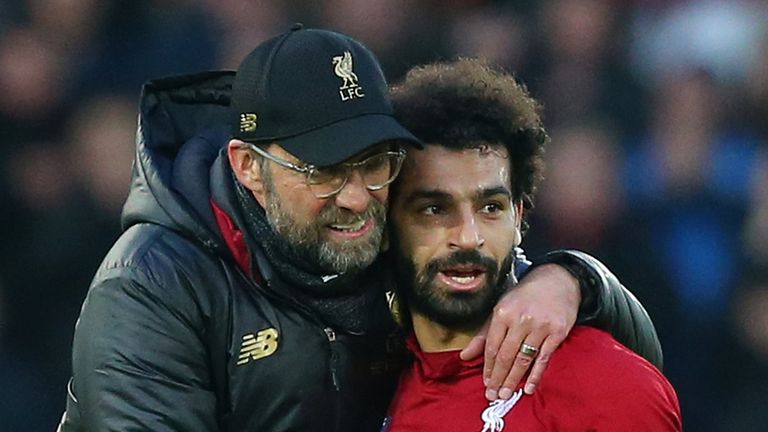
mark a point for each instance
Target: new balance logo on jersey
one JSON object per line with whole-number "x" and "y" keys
{"x": 255, "y": 347}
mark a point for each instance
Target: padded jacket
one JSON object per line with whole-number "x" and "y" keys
{"x": 178, "y": 332}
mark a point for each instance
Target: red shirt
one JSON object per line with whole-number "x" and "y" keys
{"x": 592, "y": 383}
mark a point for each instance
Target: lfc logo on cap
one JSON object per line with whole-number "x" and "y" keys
{"x": 343, "y": 69}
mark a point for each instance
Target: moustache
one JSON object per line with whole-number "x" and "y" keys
{"x": 332, "y": 214}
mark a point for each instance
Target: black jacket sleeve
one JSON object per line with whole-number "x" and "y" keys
{"x": 608, "y": 305}
{"x": 138, "y": 362}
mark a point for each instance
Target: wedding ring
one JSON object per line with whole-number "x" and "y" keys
{"x": 528, "y": 350}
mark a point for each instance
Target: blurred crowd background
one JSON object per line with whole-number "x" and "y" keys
{"x": 658, "y": 110}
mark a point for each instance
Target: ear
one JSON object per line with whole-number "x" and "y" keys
{"x": 518, "y": 222}
{"x": 247, "y": 169}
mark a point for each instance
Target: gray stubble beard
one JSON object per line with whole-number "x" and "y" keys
{"x": 308, "y": 241}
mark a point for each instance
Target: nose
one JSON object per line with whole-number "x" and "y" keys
{"x": 354, "y": 196}
{"x": 467, "y": 233}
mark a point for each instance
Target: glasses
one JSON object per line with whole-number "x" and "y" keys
{"x": 377, "y": 171}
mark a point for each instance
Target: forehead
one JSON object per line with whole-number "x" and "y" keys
{"x": 454, "y": 171}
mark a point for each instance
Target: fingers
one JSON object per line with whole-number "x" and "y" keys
{"x": 473, "y": 349}
{"x": 523, "y": 315}
{"x": 541, "y": 363}
{"x": 511, "y": 364}
{"x": 497, "y": 332}
{"x": 509, "y": 376}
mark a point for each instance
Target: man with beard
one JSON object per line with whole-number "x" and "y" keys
{"x": 456, "y": 218}
{"x": 244, "y": 293}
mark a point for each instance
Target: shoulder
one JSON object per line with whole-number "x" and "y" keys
{"x": 157, "y": 254}
{"x": 589, "y": 353}
{"x": 149, "y": 245}
{"x": 153, "y": 264}
{"x": 599, "y": 376}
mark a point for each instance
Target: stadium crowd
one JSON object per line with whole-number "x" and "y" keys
{"x": 659, "y": 157}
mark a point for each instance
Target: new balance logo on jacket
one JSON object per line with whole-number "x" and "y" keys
{"x": 255, "y": 347}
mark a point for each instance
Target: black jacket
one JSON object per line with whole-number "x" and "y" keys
{"x": 176, "y": 334}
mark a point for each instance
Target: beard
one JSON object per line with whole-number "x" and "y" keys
{"x": 454, "y": 310}
{"x": 308, "y": 240}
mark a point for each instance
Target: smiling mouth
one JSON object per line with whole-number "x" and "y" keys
{"x": 350, "y": 228}
{"x": 352, "y": 231}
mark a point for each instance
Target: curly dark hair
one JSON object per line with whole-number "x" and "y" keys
{"x": 467, "y": 104}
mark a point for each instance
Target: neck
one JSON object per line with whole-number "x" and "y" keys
{"x": 434, "y": 337}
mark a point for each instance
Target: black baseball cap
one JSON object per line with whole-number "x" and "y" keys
{"x": 320, "y": 95}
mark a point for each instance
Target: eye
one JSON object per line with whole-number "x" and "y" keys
{"x": 327, "y": 174}
{"x": 431, "y": 210}
{"x": 492, "y": 208}
{"x": 375, "y": 163}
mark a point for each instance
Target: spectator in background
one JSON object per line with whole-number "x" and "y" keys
{"x": 581, "y": 200}
{"x": 747, "y": 387}
{"x": 721, "y": 36}
{"x": 755, "y": 92}
{"x": 24, "y": 385}
{"x": 688, "y": 180}
{"x": 743, "y": 401}
{"x": 72, "y": 26}
{"x": 400, "y": 33}
{"x": 580, "y": 71}
{"x": 32, "y": 84}
{"x": 696, "y": 173}
{"x": 143, "y": 39}
{"x": 494, "y": 34}
{"x": 97, "y": 136}
{"x": 755, "y": 234}
{"x": 34, "y": 181}
{"x": 72, "y": 218}
{"x": 241, "y": 24}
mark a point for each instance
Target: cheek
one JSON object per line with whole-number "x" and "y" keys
{"x": 298, "y": 200}
{"x": 381, "y": 195}
{"x": 423, "y": 244}
{"x": 500, "y": 238}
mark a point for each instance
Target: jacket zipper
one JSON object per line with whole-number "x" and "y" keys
{"x": 331, "y": 335}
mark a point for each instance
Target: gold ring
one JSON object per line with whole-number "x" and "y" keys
{"x": 528, "y": 350}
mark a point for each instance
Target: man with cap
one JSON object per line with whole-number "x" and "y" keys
{"x": 244, "y": 292}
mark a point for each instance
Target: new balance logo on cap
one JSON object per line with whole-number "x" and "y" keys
{"x": 256, "y": 347}
{"x": 349, "y": 89}
{"x": 248, "y": 122}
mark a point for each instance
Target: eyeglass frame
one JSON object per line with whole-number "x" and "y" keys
{"x": 308, "y": 169}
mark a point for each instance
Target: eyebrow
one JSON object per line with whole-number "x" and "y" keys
{"x": 437, "y": 194}
{"x": 498, "y": 190}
